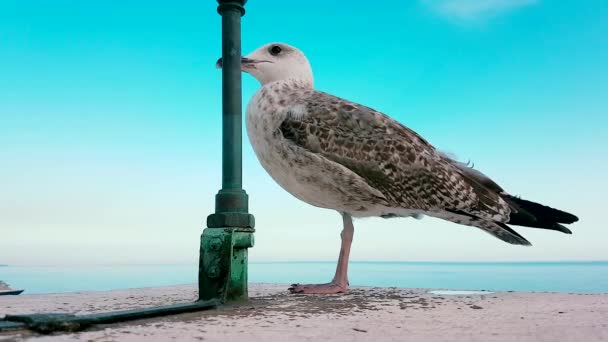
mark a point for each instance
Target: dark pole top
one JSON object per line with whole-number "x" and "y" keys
{"x": 231, "y": 4}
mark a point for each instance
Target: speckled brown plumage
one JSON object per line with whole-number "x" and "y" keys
{"x": 408, "y": 171}
{"x": 404, "y": 168}
{"x": 337, "y": 154}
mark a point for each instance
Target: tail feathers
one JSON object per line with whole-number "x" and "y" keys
{"x": 530, "y": 214}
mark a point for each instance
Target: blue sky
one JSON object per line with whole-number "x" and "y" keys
{"x": 110, "y": 122}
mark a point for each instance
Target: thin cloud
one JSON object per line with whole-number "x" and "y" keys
{"x": 475, "y": 9}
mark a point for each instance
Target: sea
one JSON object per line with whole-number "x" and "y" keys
{"x": 566, "y": 277}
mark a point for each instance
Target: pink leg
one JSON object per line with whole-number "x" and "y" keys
{"x": 340, "y": 282}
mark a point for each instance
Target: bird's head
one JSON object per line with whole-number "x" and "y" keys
{"x": 276, "y": 62}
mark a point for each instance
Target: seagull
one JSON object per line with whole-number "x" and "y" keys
{"x": 336, "y": 154}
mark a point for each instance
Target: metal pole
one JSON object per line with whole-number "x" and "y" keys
{"x": 232, "y": 176}
{"x": 231, "y": 202}
{"x": 223, "y": 254}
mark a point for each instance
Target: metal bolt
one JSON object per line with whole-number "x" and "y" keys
{"x": 213, "y": 272}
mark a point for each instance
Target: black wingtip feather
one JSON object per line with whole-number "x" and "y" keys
{"x": 513, "y": 237}
{"x": 542, "y": 211}
{"x": 561, "y": 228}
{"x": 530, "y": 214}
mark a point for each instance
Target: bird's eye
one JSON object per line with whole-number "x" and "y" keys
{"x": 275, "y": 50}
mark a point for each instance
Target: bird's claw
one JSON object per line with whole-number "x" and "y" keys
{"x": 329, "y": 288}
{"x": 294, "y": 289}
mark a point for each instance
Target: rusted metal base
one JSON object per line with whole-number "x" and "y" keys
{"x": 222, "y": 273}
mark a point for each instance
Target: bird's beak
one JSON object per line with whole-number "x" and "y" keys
{"x": 246, "y": 63}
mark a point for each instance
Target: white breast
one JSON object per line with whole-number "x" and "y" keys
{"x": 293, "y": 171}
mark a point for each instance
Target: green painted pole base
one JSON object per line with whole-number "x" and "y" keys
{"x": 222, "y": 272}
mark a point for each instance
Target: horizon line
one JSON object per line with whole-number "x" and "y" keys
{"x": 581, "y": 261}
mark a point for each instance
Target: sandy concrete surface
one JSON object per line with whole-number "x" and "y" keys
{"x": 364, "y": 314}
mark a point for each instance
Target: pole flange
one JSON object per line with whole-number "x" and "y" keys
{"x": 236, "y": 220}
{"x": 231, "y": 210}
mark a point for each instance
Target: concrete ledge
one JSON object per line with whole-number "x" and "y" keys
{"x": 364, "y": 314}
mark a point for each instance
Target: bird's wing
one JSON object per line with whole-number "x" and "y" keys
{"x": 390, "y": 157}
